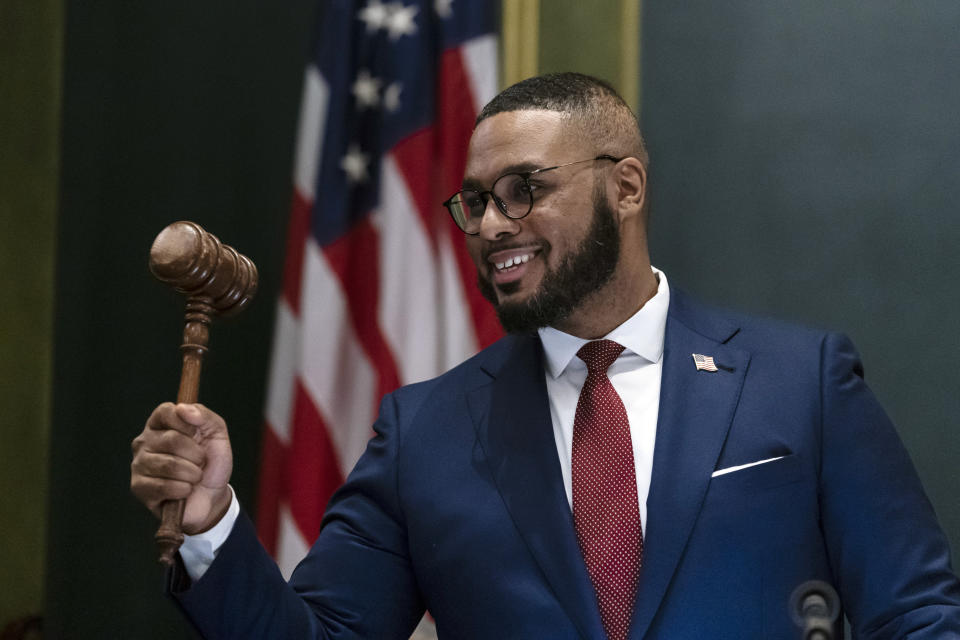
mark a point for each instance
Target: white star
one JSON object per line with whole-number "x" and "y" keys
{"x": 399, "y": 22}
{"x": 443, "y": 8}
{"x": 366, "y": 89}
{"x": 391, "y": 96}
{"x": 375, "y": 15}
{"x": 354, "y": 164}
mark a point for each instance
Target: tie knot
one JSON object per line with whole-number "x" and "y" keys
{"x": 599, "y": 355}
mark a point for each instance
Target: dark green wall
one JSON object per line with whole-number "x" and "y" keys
{"x": 805, "y": 165}
{"x": 30, "y": 54}
{"x": 805, "y": 161}
{"x": 172, "y": 111}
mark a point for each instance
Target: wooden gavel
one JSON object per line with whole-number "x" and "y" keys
{"x": 217, "y": 281}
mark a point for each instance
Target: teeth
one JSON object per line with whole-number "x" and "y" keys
{"x": 515, "y": 260}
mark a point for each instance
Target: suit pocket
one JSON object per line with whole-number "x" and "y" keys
{"x": 776, "y": 473}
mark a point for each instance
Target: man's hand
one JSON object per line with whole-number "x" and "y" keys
{"x": 184, "y": 453}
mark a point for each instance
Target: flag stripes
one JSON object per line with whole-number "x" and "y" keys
{"x": 378, "y": 290}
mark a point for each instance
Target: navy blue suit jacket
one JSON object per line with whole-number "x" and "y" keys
{"x": 458, "y": 506}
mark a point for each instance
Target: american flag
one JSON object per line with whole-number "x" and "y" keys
{"x": 704, "y": 363}
{"x": 378, "y": 290}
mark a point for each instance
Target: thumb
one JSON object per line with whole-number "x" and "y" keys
{"x": 190, "y": 413}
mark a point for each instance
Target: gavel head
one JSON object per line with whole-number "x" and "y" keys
{"x": 197, "y": 264}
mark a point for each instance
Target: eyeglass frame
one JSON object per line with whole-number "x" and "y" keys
{"x": 525, "y": 176}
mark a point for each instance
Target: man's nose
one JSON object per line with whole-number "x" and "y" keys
{"x": 494, "y": 224}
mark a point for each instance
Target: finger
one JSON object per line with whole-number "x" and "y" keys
{"x": 169, "y": 442}
{"x": 165, "y": 466}
{"x": 206, "y": 423}
{"x": 155, "y": 491}
{"x": 166, "y": 416}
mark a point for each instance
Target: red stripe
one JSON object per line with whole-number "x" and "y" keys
{"x": 307, "y": 471}
{"x": 423, "y": 163}
{"x": 312, "y": 470}
{"x": 432, "y": 162}
{"x": 454, "y": 123}
{"x": 355, "y": 258}
{"x": 273, "y": 461}
{"x": 297, "y": 231}
{"x": 417, "y": 162}
{"x": 454, "y": 126}
{"x": 485, "y": 322}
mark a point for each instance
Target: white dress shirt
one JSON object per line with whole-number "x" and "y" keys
{"x": 199, "y": 551}
{"x": 635, "y": 375}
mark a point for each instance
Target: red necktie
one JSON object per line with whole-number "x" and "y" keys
{"x": 605, "y": 510}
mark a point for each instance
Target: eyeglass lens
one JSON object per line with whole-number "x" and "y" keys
{"x": 511, "y": 193}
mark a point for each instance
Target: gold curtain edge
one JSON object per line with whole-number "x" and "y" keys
{"x": 521, "y": 31}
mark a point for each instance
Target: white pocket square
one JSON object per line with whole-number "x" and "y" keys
{"x": 720, "y": 472}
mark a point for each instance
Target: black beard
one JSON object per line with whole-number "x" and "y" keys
{"x": 563, "y": 289}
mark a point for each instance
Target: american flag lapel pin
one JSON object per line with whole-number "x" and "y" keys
{"x": 704, "y": 363}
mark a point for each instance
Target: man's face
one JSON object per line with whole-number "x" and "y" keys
{"x": 538, "y": 270}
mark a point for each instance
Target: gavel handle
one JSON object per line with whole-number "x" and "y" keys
{"x": 196, "y": 334}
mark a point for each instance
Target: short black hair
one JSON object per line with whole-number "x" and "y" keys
{"x": 566, "y": 92}
{"x": 602, "y": 113}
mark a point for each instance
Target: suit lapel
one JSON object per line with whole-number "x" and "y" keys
{"x": 696, "y": 409}
{"x": 512, "y": 417}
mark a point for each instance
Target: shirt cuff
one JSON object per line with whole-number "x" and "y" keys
{"x": 199, "y": 551}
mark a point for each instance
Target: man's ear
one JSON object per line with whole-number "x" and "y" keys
{"x": 630, "y": 178}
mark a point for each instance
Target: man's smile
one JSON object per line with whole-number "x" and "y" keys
{"x": 510, "y": 265}
{"x": 510, "y": 262}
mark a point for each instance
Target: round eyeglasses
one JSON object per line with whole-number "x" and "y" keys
{"x": 512, "y": 193}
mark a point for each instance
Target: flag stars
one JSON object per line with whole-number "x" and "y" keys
{"x": 366, "y": 89}
{"x": 393, "y": 17}
{"x": 354, "y": 164}
{"x": 374, "y": 15}
{"x": 444, "y": 8}
{"x": 391, "y": 96}
{"x": 400, "y": 21}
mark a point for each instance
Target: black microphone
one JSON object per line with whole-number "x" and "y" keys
{"x": 815, "y": 607}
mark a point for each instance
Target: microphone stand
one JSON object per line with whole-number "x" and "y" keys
{"x": 815, "y": 607}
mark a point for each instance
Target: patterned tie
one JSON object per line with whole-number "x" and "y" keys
{"x": 605, "y": 510}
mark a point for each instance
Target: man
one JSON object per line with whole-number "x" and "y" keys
{"x": 626, "y": 463}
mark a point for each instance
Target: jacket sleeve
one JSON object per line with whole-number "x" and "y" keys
{"x": 890, "y": 558}
{"x": 356, "y": 581}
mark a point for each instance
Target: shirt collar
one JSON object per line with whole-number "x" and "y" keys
{"x": 642, "y": 333}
